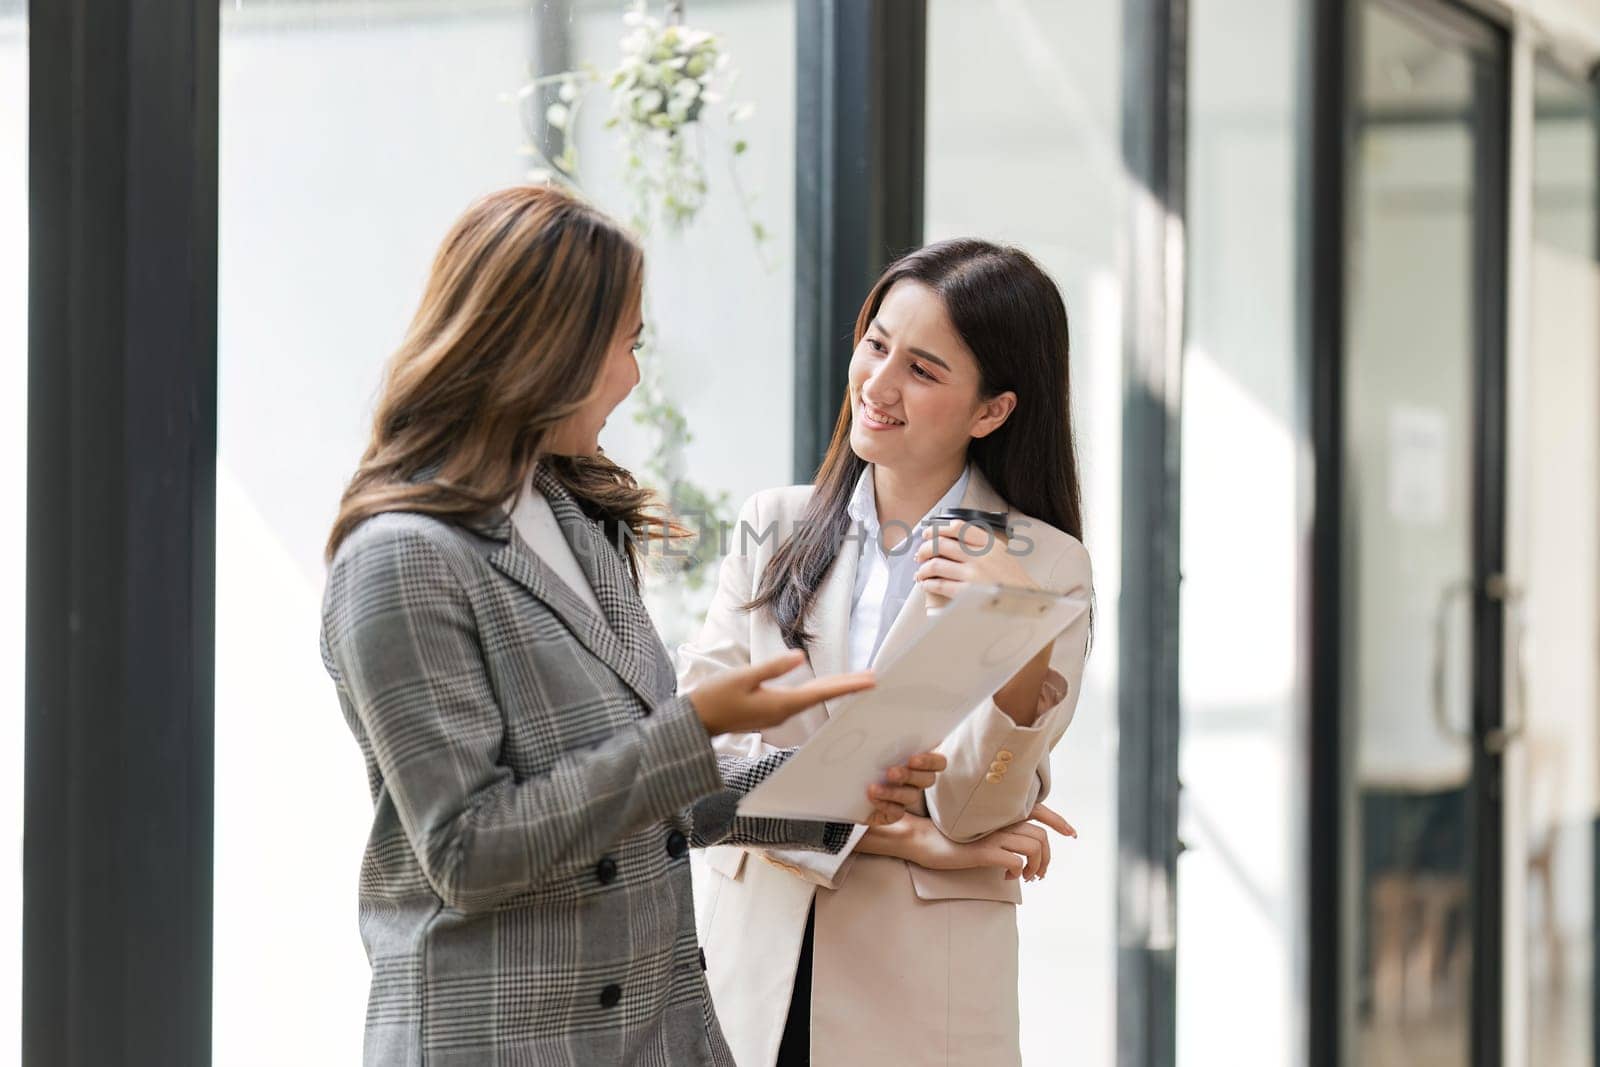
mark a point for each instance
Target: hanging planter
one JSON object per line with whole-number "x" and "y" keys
{"x": 669, "y": 80}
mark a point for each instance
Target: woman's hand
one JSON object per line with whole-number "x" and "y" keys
{"x": 904, "y": 788}
{"x": 736, "y": 701}
{"x": 959, "y": 552}
{"x": 956, "y": 553}
{"x": 1021, "y": 850}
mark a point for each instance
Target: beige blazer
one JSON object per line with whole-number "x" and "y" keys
{"x": 910, "y": 965}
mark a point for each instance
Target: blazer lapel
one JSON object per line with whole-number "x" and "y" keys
{"x": 829, "y": 651}
{"x": 623, "y": 640}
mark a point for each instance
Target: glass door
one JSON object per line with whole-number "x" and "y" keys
{"x": 1423, "y": 595}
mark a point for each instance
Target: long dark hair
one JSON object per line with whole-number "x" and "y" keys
{"x": 1011, "y": 316}
{"x": 528, "y": 289}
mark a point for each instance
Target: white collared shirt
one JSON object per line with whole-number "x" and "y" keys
{"x": 538, "y": 525}
{"x": 884, "y": 581}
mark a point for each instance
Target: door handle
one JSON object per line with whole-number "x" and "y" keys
{"x": 1441, "y": 644}
{"x": 1507, "y": 592}
{"x": 1497, "y": 587}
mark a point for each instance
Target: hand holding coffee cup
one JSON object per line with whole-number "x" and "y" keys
{"x": 964, "y": 545}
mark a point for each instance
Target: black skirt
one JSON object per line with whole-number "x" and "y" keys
{"x": 795, "y": 1048}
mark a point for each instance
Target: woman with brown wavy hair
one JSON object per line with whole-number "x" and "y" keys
{"x": 536, "y": 779}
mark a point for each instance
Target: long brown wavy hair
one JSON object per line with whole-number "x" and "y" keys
{"x": 527, "y": 292}
{"x": 1011, "y": 316}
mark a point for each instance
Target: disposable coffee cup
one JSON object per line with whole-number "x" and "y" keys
{"x": 996, "y": 522}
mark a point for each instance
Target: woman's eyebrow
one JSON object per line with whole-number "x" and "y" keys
{"x": 918, "y": 352}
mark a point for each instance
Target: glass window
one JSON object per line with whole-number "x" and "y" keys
{"x": 14, "y": 439}
{"x": 1240, "y": 891}
{"x": 352, "y": 135}
{"x": 720, "y": 302}
{"x": 1035, "y": 87}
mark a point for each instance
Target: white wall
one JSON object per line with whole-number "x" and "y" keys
{"x": 1575, "y": 24}
{"x": 13, "y": 441}
{"x": 1554, "y": 530}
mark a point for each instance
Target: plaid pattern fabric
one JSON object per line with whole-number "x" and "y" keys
{"x": 525, "y": 891}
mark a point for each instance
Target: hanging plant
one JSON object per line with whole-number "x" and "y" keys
{"x": 657, "y": 97}
{"x": 664, "y": 470}
{"x": 667, "y": 81}
{"x": 662, "y": 91}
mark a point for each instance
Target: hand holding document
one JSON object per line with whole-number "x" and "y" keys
{"x": 953, "y": 663}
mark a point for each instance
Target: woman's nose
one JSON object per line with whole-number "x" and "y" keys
{"x": 880, "y": 386}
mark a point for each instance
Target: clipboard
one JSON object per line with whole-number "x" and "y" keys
{"x": 955, "y": 660}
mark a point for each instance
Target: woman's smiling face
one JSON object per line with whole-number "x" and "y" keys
{"x": 914, "y": 386}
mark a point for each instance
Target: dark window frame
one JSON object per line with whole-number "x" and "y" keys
{"x": 860, "y": 123}
{"x": 1323, "y": 152}
{"x": 117, "y": 850}
{"x": 1154, "y": 151}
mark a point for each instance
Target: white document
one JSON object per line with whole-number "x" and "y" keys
{"x": 959, "y": 657}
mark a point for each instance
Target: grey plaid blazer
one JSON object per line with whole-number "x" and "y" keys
{"x": 525, "y": 894}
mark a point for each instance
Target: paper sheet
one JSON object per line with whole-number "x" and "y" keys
{"x": 963, "y": 654}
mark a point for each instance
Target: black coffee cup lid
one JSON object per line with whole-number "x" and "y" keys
{"x": 995, "y": 520}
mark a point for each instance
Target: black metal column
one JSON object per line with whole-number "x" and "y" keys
{"x": 1490, "y": 264}
{"x": 550, "y": 53}
{"x": 861, "y": 69}
{"x": 1323, "y": 163}
{"x": 121, "y": 512}
{"x": 1155, "y": 50}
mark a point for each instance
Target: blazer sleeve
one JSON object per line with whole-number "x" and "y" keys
{"x": 724, "y": 642}
{"x": 401, "y": 640}
{"x": 997, "y": 769}
{"x": 716, "y": 821}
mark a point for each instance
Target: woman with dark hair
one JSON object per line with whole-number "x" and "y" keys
{"x": 901, "y": 947}
{"x": 536, "y": 778}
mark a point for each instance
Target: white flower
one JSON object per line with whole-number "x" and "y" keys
{"x": 556, "y": 115}
{"x": 649, "y": 100}
{"x": 569, "y": 91}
